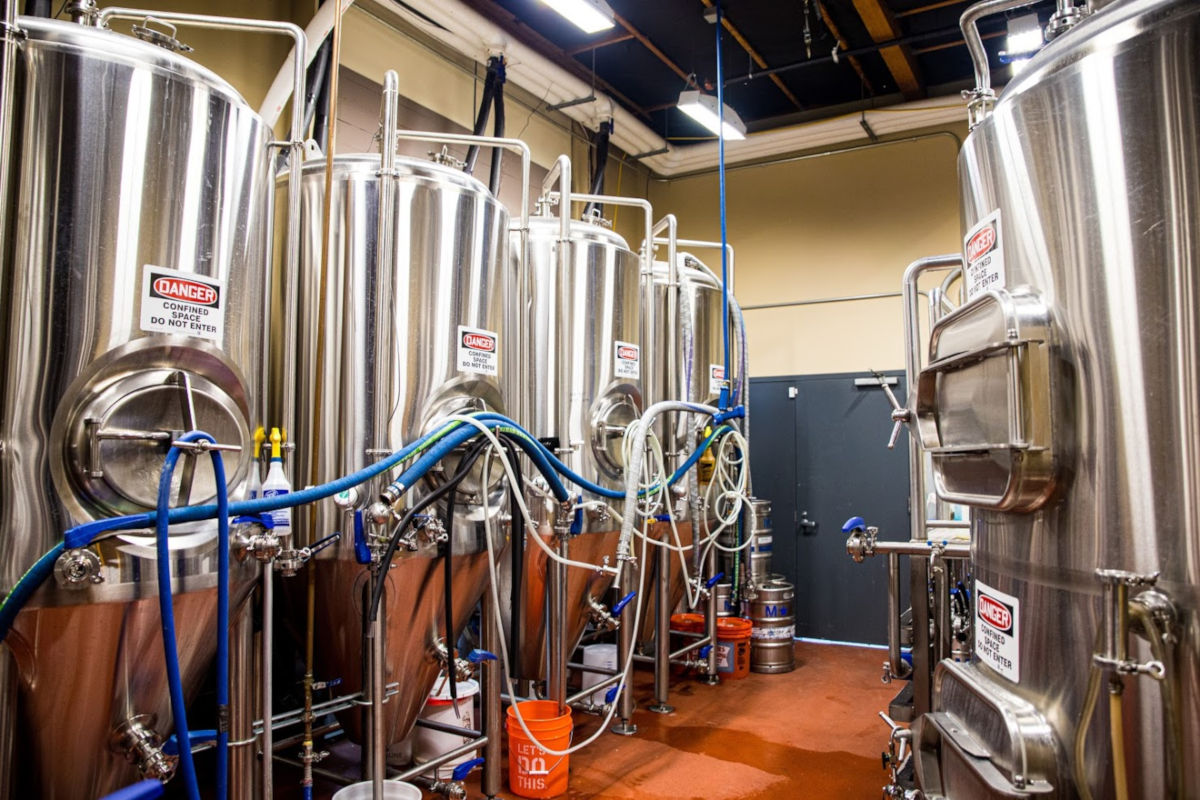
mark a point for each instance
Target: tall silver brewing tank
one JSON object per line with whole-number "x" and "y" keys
{"x": 1062, "y": 402}
{"x": 450, "y": 290}
{"x": 700, "y": 367}
{"x": 133, "y": 309}
{"x": 585, "y": 350}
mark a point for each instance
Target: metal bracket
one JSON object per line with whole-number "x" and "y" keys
{"x": 1115, "y": 655}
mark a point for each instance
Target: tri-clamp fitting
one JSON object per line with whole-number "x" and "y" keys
{"x": 136, "y": 739}
{"x": 463, "y": 669}
{"x": 861, "y": 542}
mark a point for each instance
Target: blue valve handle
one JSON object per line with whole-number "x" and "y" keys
{"x": 619, "y": 606}
{"x": 464, "y": 769}
{"x": 330, "y": 539}
{"x": 266, "y": 520}
{"x": 611, "y": 695}
{"x": 577, "y": 519}
{"x": 854, "y": 524}
{"x": 704, "y": 651}
{"x": 714, "y": 580}
{"x": 479, "y": 656}
{"x": 142, "y": 790}
{"x": 362, "y": 553}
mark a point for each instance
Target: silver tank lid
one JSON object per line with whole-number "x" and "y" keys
{"x": 115, "y": 47}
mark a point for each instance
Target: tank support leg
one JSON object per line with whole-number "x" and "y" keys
{"x": 489, "y": 676}
{"x": 242, "y": 745}
{"x": 662, "y": 631}
{"x": 710, "y": 622}
{"x": 624, "y": 726}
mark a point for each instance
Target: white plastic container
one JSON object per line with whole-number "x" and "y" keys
{"x": 428, "y": 744}
{"x": 598, "y": 655}
{"x": 392, "y": 790}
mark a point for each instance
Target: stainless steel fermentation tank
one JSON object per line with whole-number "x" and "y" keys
{"x": 586, "y": 374}
{"x": 133, "y": 310}
{"x": 1063, "y": 403}
{"x": 446, "y": 344}
{"x": 698, "y": 375}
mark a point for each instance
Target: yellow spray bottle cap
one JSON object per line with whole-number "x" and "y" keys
{"x": 276, "y": 441}
{"x": 260, "y": 436}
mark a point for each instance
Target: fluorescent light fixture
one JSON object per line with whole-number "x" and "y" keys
{"x": 1023, "y": 41}
{"x": 703, "y": 108}
{"x": 591, "y": 16}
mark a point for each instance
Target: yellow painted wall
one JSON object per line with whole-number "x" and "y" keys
{"x": 833, "y": 225}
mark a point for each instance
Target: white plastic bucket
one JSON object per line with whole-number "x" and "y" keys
{"x": 598, "y": 655}
{"x": 428, "y": 744}
{"x": 392, "y": 790}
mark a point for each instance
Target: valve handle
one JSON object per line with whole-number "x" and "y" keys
{"x": 619, "y": 606}
{"x": 611, "y": 695}
{"x": 362, "y": 553}
{"x": 704, "y": 651}
{"x": 854, "y": 524}
{"x": 479, "y": 656}
{"x": 321, "y": 544}
{"x": 714, "y": 580}
{"x": 464, "y": 769}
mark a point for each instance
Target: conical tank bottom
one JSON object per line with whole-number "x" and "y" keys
{"x": 645, "y": 632}
{"x": 590, "y": 547}
{"x": 414, "y": 604}
{"x": 84, "y": 670}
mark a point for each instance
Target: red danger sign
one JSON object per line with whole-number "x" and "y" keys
{"x": 981, "y": 243}
{"x": 479, "y": 341}
{"x": 185, "y": 291}
{"x": 995, "y": 613}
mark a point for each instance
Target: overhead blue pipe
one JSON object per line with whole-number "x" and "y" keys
{"x": 723, "y": 402}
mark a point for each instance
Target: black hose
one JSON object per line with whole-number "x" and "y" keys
{"x": 425, "y": 502}
{"x": 446, "y": 549}
{"x": 317, "y": 103}
{"x": 517, "y": 555}
{"x": 481, "y": 119}
{"x": 597, "y": 186}
{"x": 498, "y": 131}
{"x": 37, "y": 8}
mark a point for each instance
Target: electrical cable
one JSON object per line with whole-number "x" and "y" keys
{"x": 724, "y": 397}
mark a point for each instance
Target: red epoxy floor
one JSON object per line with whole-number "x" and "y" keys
{"x": 811, "y": 733}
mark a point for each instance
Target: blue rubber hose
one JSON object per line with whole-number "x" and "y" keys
{"x": 34, "y": 577}
{"x": 142, "y": 790}
{"x": 167, "y": 612}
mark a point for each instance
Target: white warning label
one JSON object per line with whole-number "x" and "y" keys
{"x": 998, "y": 632}
{"x": 985, "y": 257}
{"x": 627, "y": 360}
{"x": 183, "y": 303}
{"x": 478, "y": 350}
{"x": 716, "y": 378}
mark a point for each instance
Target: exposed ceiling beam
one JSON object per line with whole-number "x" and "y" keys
{"x": 616, "y": 38}
{"x": 754, "y": 54}
{"x": 841, "y": 40}
{"x": 882, "y": 26}
{"x": 956, "y": 43}
{"x": 535, "y": 41}
{"x": 930, "y": 7}
{"x": 649, "y": 45}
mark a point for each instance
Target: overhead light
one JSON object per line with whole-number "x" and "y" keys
{"x": 1023, "y": 41}
{"x": 591, "y": 16}
{"x": 703, "y": 108}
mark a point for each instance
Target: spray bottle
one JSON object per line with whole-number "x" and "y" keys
{"x": 254, "y": 484}
{"x": 277, "y": 484}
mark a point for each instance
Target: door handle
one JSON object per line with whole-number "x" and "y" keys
{"x": 807, "y": 526}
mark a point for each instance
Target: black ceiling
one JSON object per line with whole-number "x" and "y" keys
{"x": 811, "y": 87}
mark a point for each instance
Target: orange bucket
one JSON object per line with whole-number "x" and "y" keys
{"x": 733, "y": 647}
{"x": 687, "y": 623}
{"x": 532, "y": 772}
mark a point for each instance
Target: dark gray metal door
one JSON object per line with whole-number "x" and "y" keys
{"x": 818, "y": 453}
